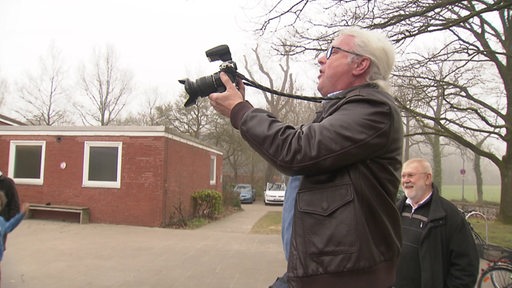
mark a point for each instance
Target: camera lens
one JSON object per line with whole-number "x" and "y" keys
{"x": 206, "y": 85}
{"x": 202, "y": 87}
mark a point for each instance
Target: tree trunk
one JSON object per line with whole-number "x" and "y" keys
{"x": 506, "y": 191}
{"x": 407, "y": 139}
{"x": 436, "y": 158}
{"x": 479, "y": 179}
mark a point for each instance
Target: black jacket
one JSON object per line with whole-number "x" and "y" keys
{"x": 448, "y": 254}
{"x": 12, "y": 207}
{"x": 346, "y": 229}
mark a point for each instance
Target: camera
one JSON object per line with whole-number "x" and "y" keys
{"x": 206, "y": 85}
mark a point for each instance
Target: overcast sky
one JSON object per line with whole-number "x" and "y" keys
{"x": 160, "y": 41}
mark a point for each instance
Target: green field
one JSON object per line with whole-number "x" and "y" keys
{"x": 454, "y": 192}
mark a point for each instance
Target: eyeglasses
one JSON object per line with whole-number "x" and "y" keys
{"x": 411, "y": 175}
{"x": 328, "y": 53}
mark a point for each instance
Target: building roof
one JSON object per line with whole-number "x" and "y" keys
{"x": 134, "y": 131}
{"x": 4, "y": 120}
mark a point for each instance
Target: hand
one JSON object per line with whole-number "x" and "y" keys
{"x": 225, "y": 101}
{"x": 24, "y": 207}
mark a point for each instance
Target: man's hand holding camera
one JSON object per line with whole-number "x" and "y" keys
{"x": 225, "y": 101}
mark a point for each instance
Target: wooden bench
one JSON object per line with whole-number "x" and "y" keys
{"x": 83, "y": 211}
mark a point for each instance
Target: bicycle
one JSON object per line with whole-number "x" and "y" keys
{"x": 498, "y": 273}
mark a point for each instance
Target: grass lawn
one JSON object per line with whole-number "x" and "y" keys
{"x": 497, "y": 232}
{"x": 491, "y": 193}
{"x": 270, "y": 223}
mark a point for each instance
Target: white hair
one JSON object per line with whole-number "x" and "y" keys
{"x": 379, "y": 49}
{"x": 422, "y": 162}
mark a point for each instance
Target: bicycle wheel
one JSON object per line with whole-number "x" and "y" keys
{"x": 497, "y": 276}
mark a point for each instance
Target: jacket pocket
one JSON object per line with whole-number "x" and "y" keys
{"x": 326, "y": 222}
{"x": 324, "y": 202}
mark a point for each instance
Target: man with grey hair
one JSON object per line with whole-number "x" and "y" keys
{"x": 438, "y": 247}
{"x": 340, "y": 225}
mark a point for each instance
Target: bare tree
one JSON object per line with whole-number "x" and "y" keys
{"x": 194, "y": 121}
{"x": 474, "y": 31}
{"x": 277, "y": 105}
{"x": 43, "y": 93}
{"x": 107, "y": 88}
{"x": 421, "y": 89}
{"x": 299, "y": 112}
{"x": 4, "y": 88}
{"x": 148, "y": 114}
{"x": 404, "y": 20}
{"x": 477, "y": 168}
{"x": 442, "y": 110}
{"x": 200, "y": 121}
{"x": 237, "y": 154}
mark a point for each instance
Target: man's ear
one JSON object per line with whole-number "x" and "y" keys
{"x": 429, "y": 179}
{"x": 362, "y": 65}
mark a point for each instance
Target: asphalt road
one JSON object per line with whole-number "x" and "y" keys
{"x": 43, "y": 253}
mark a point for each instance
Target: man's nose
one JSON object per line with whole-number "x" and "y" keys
{"x": 321, "y": 58}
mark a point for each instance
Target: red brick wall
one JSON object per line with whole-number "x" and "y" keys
{"x": 145, "y": 198}
{"x": 188, "y": 171}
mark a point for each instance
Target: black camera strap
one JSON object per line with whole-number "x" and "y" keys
{"x": 254, "y": 84}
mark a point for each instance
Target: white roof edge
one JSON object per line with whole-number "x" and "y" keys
{"x": 9, "y": 122}
{"x": 134, "y": 131}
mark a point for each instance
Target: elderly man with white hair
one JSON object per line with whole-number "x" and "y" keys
{"x": 340, "y": 225}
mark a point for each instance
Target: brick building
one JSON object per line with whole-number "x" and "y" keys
{"x": 124, "y": 175}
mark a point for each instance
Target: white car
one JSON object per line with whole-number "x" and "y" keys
{"x": 274, "y": 193}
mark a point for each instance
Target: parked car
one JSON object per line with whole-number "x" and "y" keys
{"x": 246, "y": 192}
{"x": 274, "y": 193}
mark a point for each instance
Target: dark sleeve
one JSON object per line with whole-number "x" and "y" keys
{"x": 355, "y": 132}
{"x": 12, "y": 207}
{"x": 238, "y": 113}
{"x": 464, "y": 259}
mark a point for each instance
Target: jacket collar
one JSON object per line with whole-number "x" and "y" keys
{"x": 436, "y": 209}
{"x": 344, "y": 93}
{"x": 341, "y": 96}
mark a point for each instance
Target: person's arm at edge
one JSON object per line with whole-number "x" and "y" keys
{"x": 16, "y": 220}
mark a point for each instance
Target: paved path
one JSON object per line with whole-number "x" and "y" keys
{"x": 223, "y": 254}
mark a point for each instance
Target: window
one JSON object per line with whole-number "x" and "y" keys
{"x": 102, "y": 164}
{"x": 213, "y": 170}
{"x": 26, "y": 162}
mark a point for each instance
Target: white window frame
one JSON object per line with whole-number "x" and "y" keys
{"x": 12, "y": 159}
{"x": 101, "y": 184}
{"x": 213, "y": 169}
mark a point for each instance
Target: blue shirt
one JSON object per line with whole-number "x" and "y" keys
{"x": 288, "y": 209}
{"x": 7, "y": 227}
{"x": 289, "y": 206}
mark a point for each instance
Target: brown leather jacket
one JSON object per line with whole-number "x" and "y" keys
{"x": 346, "y": 229}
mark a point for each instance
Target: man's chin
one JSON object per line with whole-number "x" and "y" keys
{"x": 408, "y": 192}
